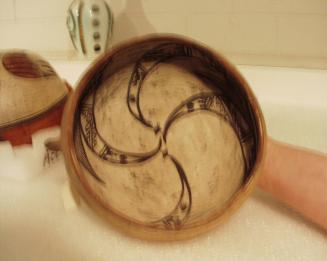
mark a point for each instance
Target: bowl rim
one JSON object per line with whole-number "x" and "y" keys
{"x": 120, "y": 222}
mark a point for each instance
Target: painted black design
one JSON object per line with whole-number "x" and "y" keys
{"x": 81, "y": 154}
{"x": 182, "y": 210}
{"x": 100, "y": 147}
{"x": 212, "y": 101}
{"x": 50, "y": 157}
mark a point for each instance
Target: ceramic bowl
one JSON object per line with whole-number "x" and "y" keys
{"x": 32, "y": 96}
{"x": 163, "y": 137}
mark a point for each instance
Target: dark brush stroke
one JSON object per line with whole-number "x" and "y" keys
{"x": 182, "y": 110}
{"x": 114, "y": 155}
{"x": 176, "y": 218}
{"x": 81, "y": 154}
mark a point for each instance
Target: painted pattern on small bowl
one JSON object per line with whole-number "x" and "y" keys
{"x": 32, "y": 96}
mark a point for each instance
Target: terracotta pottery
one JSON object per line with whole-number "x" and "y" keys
{"x": 32, "y": 96}
{"x": 163, "y": 137}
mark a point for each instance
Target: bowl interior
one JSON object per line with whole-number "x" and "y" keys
{"x": 166, "y": 133}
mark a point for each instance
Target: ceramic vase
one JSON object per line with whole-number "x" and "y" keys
{"x": 90, "y": 24}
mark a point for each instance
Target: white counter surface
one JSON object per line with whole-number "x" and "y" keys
{"x": 35, "y": 226}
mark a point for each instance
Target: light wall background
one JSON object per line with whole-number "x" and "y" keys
{"x": 262, "y": 32}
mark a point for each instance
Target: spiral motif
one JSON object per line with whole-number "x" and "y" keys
{"x": 212, "y": 102}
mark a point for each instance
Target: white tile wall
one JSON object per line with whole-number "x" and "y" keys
{"x": 287, "y": 32}
{"x": 303, "y": 6}
{"x": 256, "y": 6}
{"x": 254, "y": 33}
{"x": 212, "y": 29}
{"x": 7, "y": 11}
{"x": 41, "y": 8}
{"x": 302, "y": 35}
{"x": 152, "y": 6}
{"x": 39, "y": 34}
{"x": 281, "y": 6}
{"x": 209, "y": 6}
{"x": 127, "y": 26}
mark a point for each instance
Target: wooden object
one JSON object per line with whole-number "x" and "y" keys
{"x": 32, "y": 96}
{"x": 163, "y": 138}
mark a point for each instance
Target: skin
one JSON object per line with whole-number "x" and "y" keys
{"x": 297, "y": 177}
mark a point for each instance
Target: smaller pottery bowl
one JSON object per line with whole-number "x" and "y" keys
{"x": 32, "y": 96}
